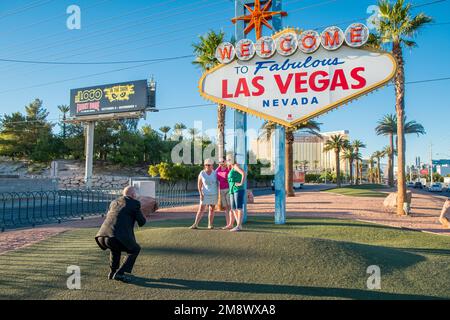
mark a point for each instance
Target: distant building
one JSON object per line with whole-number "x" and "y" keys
{"x": 418, "y": 162}
{"x": 308, "y": 151}
{"x": 442, "y": 167}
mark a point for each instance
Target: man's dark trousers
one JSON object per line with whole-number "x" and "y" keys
{"x": 117, "y": 248}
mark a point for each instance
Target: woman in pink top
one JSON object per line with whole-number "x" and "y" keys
{"x": 222, "y": 177}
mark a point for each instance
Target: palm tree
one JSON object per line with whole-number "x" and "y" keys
{"x": 349, "y": 155}
{"x": 387, "y": 151}
{"x": 352, "y": 156}
{"x": 64, "y": 110}
{"x": 398, "y": 27}
{"x": 316, "y": 164}
{"x": 193, "y": 132}
{"x": 336, "y": 143}
{"x": 412, "y": 127}
{"x": 358, "y": 145}
{"x": 304, "y": 164}
{"x": 205, "y": 52}
{"x": 388, "y": 127}
{"x": 165, "y": 130}
{"x": 370, "y": 173}
{"x": 378, "y": 155}
{"x": 178, "y": 129}
{"x": 311, "y": 127}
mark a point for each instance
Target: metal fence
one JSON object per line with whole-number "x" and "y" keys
{"x": 22, "y": 209}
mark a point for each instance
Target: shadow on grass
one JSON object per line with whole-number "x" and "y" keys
{"x": 256, "y": 288}
{"x": 326, "y": 223}
{"x": 199, "y": 251}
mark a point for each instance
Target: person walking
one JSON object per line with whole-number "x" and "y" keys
{"x": 208, "y": 189}
{"x": 236, "y": 180}
{"x": 222, "y": 172}
{"x": 117, "y": 233}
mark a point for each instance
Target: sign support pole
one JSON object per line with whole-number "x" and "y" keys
{"x": 89, "y": 154}
{"x": 280, "y": 145}
{"x": 280, "y": 176}
{"x": 240, "y": 118}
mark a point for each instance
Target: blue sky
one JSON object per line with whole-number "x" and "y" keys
{"x": 117, "y": 30}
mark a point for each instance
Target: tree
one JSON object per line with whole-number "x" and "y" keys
{"x": 12, "y": 127}
{"x": 351, "y": 156}
{"x": 165, "y": 130}
{"x": 388, "y": 127}
{"x": 64, "y": 110}
{"x": 105, "y": 138}
{"x": 412, "y": 127}
{"x": 178, "y": 130}
{"x": 398, "y": 27}
{"x": 74, "y": 142}
{"x": 311, "y": 127}
{"x": 22, "y": 132}
{"x": 205, "y": 58}
{"x": 357, "y": 146}
{"x": 193, "y": 132}
{"x": 316, "y": 164}
{"x": 130, "y": 148}
{"x": 378, "y": 155}
{"x": 336, "y": 143}
{"x": 387, "y": 151}
{"x": 269, "y": 127}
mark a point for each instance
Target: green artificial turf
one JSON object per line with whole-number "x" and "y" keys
{"x": 365, "y": 190}
{"x": 304, "y": 259}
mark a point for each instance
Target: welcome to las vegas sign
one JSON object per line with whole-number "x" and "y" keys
{"x": 294, "y": 76}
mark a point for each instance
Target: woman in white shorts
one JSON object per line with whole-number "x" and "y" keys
{"x": 222, "y": 177}
{"x": 208, "y": 190}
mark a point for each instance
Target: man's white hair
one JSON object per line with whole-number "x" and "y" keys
{"x": 129, "y": 191}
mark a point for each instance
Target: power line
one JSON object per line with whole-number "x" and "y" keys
{"x": 94, "y": 63}
{"x": 427, "y": 3}
{"x": 425, "y": 81}
{"x": 109, "y": 31}
{"x": 119, "y": 27}
{"x": 166, "y": 33}
{"x": 37, "y": 23}
{"x": 112, "y": 71}
{"x": 86, "y": 76}
{"x": 314, "y": 5}
{"x": 25, "y": 8}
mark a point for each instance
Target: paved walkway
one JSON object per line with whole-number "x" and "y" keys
{"x": 425, "y": 212}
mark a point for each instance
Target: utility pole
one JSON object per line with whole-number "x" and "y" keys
{"x": 431, "y": 164}
{"x": 90, "y": 125}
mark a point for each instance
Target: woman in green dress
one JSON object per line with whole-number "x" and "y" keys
{"x": 236, "y": 181}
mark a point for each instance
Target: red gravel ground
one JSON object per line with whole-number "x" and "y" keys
{"x": 425, "y": 212}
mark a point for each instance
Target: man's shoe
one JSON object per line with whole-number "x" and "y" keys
{"x": 111, "y": 275}
{"x": 121, "y": 277}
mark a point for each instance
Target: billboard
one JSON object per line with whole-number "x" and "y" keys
{"x": 110, "y": 99}
{"x": 292, "y": 77}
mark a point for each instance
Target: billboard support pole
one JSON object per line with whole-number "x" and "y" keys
{"x": 280, "y": 144}
{"x": 89, "y": 149}
{"x": 240, "y": 118}
{"x": 280, "y": 176}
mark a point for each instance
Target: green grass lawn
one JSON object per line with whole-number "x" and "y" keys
{"x": 365, "y": 190}
{"x": 304, "y": 259}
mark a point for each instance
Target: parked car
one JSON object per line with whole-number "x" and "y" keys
{"x": 297, "y": 186}
{"x": 410, "y": 184}
{"x": 418, "y": 185}
{"x": 435, "y": 187}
